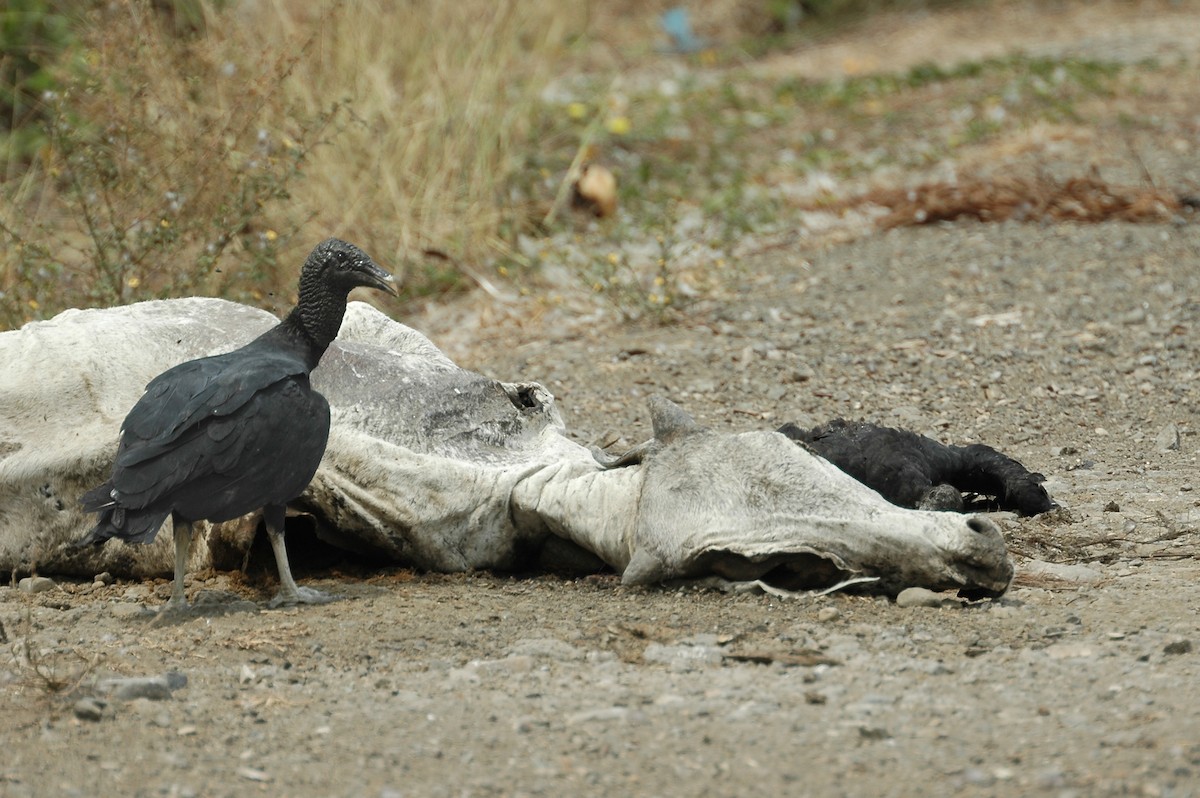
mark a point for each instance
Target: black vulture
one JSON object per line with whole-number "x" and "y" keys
{"x": 912, "y": 470}
{"x": 218, "y": 437}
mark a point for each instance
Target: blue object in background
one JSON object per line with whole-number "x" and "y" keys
{"x": 678, "y": 25}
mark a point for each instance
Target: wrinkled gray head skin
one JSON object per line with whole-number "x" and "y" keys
{"x": 441, "y": 468}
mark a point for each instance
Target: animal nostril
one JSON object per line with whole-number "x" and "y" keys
{"x": 976, "y": 524}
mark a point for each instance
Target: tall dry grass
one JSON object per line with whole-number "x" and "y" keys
{"x": 443, "y": 96}
{"x": 210, "y": 162}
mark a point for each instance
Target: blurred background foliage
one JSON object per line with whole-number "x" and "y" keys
{"x": 157, "y": 148}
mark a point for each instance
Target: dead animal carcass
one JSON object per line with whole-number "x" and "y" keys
{"x": 440, "y": 468}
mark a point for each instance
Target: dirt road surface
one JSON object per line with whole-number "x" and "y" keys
{"x": 1071, "y": 347}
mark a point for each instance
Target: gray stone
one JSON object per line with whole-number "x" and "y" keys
{"x": 35, "y": 584}
{"x": 600, "y": 715}
{"x": 683, "y": 657}
{"x": 1167, "y": 439}
{"x": 89, "y": 709}
{"x": 1178, "y": 647}
{"x": 1079, "y": 573}
{"x": 155, "y": 688}
{"x": 919, "y": 597}
{"x": 827, "y": 614}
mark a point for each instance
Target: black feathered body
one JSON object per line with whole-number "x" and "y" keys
{"x": 906, "y": 468}
{"x": 216, "y": 438}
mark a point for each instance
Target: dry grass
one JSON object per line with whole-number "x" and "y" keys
{"x": 210, "y": 163}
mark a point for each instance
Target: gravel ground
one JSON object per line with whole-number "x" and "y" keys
{"x": 1072, "y": 348}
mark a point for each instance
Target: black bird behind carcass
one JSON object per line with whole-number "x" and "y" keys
{"x": 216, "y": 438}
{"x": 911, "y": 470}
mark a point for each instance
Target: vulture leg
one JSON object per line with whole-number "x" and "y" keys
{"x": 289, "y": 593}
{"x": 183, "y": 544}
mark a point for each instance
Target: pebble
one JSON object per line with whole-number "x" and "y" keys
{"x": 155, "y": 688}
{"x": 1178, "y": 647}
{"x": 601, "y": 714}
{"x": 35, "y": 584}
{"x": 1068, "y": 573}
{"x": 527, "y": 723}
{"x": 683, "y": 657}
{"x": 1167, "y": 439}
{"x": 89, "y": 709}
{"x": 253, "y": 774}
{"x": 919, "y": 597}
{"x": 104, "y": 578}
{"x": 827, "y": 614}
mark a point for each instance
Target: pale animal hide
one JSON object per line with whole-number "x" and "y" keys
{"x": 440, "y": 468}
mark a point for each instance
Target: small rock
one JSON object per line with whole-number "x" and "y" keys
{"x": 89, "y": 709}
{"x": 683, "y": 657}
{"x": 873, "y": 733}
{"x": 253, "y": 774}
{"x": 827, "y": 614}
{"x": 1068, "y": 573}
{"x": 1167, "y": 439}
{"x": 103, "y": 578}
{"x": 1112, "y": 507}
{"x": 600, "y": 714}
{"x": 978, "y": 778}
{"x": 527, "y": 723}
{"x": 776, "y": 392}
{"x": 155, "y": 688}
{"x": 919, "y": 597}
{"x": 35, "y": 584}
{"x": 1178, "y": 647}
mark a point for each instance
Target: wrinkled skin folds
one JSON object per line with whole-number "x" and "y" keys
{"x": 441, "y": 468}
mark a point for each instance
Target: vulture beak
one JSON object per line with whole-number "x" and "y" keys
{"x": 371, "y": 276}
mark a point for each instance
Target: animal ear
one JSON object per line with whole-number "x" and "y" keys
{"x": 669, "y": 419}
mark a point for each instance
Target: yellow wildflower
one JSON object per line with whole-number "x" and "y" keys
{"x": 619, "y": 125}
